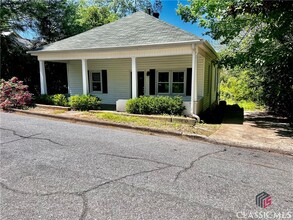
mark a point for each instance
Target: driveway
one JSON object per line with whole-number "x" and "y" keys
{"x": 58, "y": 170}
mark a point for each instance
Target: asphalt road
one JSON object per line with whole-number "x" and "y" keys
{"x": 59, "y": 170}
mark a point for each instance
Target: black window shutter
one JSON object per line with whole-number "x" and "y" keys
{"x": 89, "y": 80}
{"x": 105, "y": 81}
{"x": 188, "y": 82}
{"x": 152, "y": 74}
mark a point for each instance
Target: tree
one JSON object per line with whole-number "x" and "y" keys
{"x": 50, "y": 21}
{"x": 90, "y": 16}
{"x": 258, "y": 35}
{"x": 126, "y": 7}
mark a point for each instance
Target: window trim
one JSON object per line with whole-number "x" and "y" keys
{"x": 91, "y": 81}
{"x": 171, "y": 72}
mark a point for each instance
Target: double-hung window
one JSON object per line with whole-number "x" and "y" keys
{"x": 96, "y": 81}
{"x": 178, "y": 83}
{"x": 163, "y": 83}
{"x": 171, "y": 82}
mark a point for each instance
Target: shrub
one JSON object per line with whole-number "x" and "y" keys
{"x": 44, "y": 99}
{"x": 84, "y": 102}
{"x": 155, "y": 105}
{"x": 60, "y": 99}
{"x": 13, "y": 94}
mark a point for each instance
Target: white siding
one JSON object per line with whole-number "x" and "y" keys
{"x": 164, "y": 63}
{"x": 118, "y": 73}
{"x": 74, "y": 77}
{"x": 207, "y": 84}
{"x": 200, "y": 76}
{"x": 119, "y": 78}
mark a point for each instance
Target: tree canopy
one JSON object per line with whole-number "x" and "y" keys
{"x": 258, "y": 35}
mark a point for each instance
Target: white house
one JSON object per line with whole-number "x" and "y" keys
{"x": 136, "y": 55}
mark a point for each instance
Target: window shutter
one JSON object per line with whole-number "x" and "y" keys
{"x": 104, "y": 81}
{"x": 152, "y": 74}
{"x": 188, "y": 82}
{"x": 89, "y": 80}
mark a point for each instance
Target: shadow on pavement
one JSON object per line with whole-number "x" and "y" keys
{"x": 269, "y": 121}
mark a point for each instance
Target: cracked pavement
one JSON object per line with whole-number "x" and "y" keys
{"x": 59, "y": 170}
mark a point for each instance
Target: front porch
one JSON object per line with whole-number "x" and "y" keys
{"x": 115, "y": 80}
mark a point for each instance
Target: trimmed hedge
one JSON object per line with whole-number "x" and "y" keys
{"x": 57, "y": 99}
{"x": 158, "y": 105}
{"x": 60, "y": 99}
{"x": 44, "y": 99}
{"x": 84, "y": 102}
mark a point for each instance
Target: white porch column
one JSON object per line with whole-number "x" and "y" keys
{"x": 134, "y": 77}
{"x": 43, "y": 80}
{"x": 193, "y": 78}
{"x": 85, "y": 82}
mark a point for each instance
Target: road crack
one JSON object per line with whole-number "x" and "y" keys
{"x": 191, "y": 165}
{"x": 82, "y": 194}
{"x": 139, "y": 158}
{"x": 28, "y": 137}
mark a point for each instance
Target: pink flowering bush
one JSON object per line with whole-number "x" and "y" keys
{"x": 13, "y": 94}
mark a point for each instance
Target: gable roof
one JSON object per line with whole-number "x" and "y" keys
{"x": 138, "y": 29}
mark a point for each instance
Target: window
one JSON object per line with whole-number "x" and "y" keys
{"x": 178, "y": 82}
{"x": 96, "y": 82}
{"x": 163, "y": 82}
{"x": 171, "y": 82}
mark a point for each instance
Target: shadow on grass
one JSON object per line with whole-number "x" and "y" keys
{"x": 269, "y": 121}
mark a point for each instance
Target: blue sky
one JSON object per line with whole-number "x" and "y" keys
{"x": 169, "y": 15}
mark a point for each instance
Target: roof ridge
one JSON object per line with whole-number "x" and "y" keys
{"x": 170, "y": 25}
{"x": 134, "y": 29}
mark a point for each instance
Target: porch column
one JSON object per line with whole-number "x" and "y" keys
{"x": 134, "y": 77}
{"x": 43, "y": 80}
{"x": 194, "y": 78}
{"x": 85, "y": 82}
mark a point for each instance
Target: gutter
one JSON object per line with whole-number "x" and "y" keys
{"x": 117, "y": 47}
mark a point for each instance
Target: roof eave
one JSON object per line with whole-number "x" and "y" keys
{"x": 35, "y": 52}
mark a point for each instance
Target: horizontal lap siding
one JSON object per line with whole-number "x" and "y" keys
{"x": 200, "y": 75}
{"x": 214, "y": 91}
{"x": 206, "y": 99}
{"x": 164, "y": 63}
{"x": 118, "y": 72}
{"x": 74, "y": 77}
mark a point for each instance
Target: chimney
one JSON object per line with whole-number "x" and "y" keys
{"x": 156, "y": 14}
{"x": 149, "y": 11}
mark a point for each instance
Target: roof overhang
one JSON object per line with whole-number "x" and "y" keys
{"x": 36, "y": 52}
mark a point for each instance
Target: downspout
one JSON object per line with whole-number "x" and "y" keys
{"x": 194, "y": 82}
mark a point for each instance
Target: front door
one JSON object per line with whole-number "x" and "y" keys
{"x": 140, "y": 83}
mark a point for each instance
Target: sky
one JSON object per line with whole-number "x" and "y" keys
{"x": 168, "y": 14}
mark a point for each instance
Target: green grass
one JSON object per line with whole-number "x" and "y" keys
{"x": 59, "y": 111}
{"x": 202, "y": 129}
{"x": 247, "y": 105}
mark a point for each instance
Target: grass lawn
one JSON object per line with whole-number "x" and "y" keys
{"x": 247, "y": 105}
{"x": 200, "y": 128}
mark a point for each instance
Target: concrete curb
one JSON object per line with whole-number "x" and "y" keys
{"x": 157, "y": 131}
{"x": 53, "y": 107}
{"x": 177, "y": 119}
